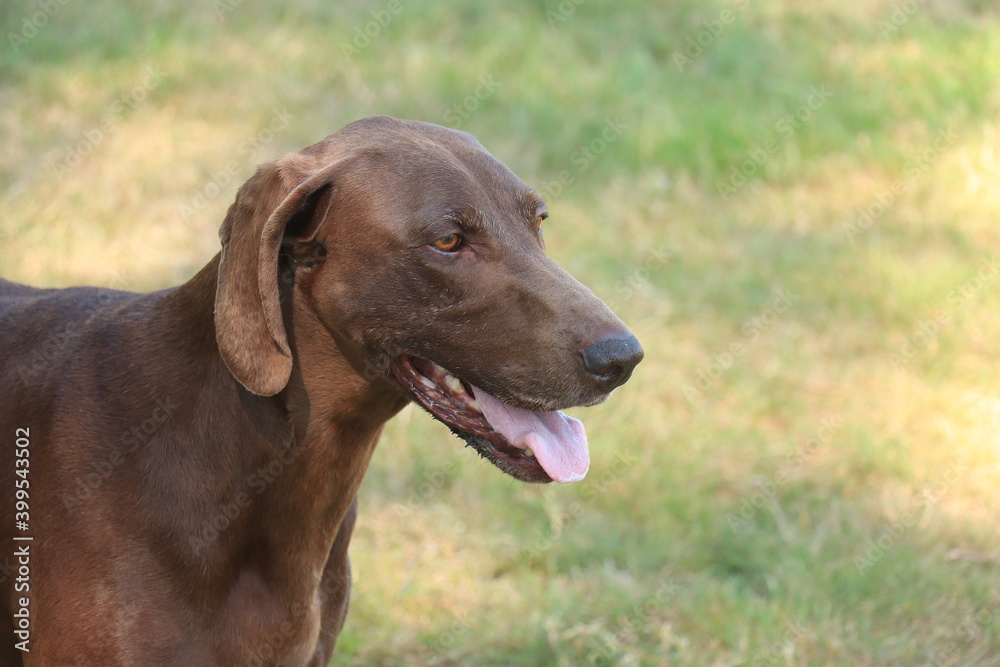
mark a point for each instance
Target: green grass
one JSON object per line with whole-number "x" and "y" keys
{"x": 727, "y": 524}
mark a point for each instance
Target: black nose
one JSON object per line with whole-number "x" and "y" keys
{"x": 612, "y": 360}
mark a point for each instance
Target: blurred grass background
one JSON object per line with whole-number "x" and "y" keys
{"x": 805, "y": 469}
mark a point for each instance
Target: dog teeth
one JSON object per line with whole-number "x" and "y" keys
{"x": 426, "y": 381}
{"x": 454, "y": 384}
{"x": 459, "y": 393}
{"x": 530, "y": 454}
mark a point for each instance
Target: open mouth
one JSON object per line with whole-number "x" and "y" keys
{"x": 528, "y": 445}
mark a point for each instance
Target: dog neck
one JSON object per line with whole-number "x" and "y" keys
{"x": 298, "y": 472}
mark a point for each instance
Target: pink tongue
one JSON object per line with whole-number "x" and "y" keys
{"x": 558, "y": 441}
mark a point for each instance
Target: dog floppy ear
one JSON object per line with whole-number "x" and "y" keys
{"x": 248, "y": 325}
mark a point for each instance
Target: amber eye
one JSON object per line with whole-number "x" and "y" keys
{"x": 539, "y": 219}
{"x": 448, "y": 243}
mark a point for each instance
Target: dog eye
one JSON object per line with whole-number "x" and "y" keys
{"x": 448, "y": 243}
{"x": 541, "y": 217}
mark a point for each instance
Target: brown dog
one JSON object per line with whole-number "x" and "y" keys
{"x": 180, "y": 467}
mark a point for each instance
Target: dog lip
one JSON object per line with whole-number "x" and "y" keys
{"x": 456, "y": 407}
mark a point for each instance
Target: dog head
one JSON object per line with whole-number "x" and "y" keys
{"x": 427, "y": 254}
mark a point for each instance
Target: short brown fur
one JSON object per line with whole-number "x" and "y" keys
{"x": 157, "y": 539}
